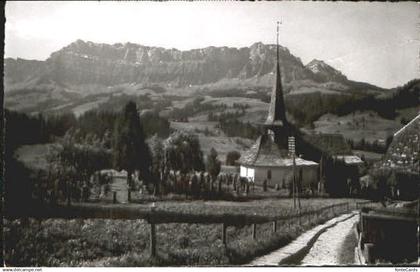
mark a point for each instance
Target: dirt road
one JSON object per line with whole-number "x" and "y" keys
{"x": 321, "y": 245}
{"x": 326, "y": 250}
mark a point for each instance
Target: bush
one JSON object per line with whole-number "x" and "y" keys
{"x": 232, "y": 157}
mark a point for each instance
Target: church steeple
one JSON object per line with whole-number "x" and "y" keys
{"x": 277, "y": 110}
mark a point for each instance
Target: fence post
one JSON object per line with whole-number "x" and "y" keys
{"x": 68, "y": 199}
{"x": 275, "y": 226}
{"x": 254, "y": 231}
{"x": 369, "y": 253}
{"x": 129, "y": 195}
{"x": 300, "y": 218}
{"x": 114, "y": 198}
{"x": 224, "y": 227}
{"x": 152, "y": 239}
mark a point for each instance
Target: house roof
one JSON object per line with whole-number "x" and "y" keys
{"x": 403, "y": 152}
{"x": 350, "y": 159}
{"x": 267, "y": 153}
{"x": 410, "y": 124}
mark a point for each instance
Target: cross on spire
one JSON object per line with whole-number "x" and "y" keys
{"x": 278, "y": 30}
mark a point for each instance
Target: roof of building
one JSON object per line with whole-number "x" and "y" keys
{"x": 267, "y": 153}
{"x": 350, "y": 159}
{"x": 277, "y": 110}
{"x": 404, "y": 151}
{"x": 408, "y": 125}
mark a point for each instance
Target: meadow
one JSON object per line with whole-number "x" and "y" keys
{"x": 105, "y": 242}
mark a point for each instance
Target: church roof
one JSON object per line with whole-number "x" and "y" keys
{"x": 277, "y": 111}
{"x": 267, "y": 153}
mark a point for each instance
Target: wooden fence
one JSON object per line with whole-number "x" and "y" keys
{"x": 362, "y": 204}
{"x": 155, "y": 216}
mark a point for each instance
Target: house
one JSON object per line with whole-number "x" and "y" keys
{"x": 401, "y": 162}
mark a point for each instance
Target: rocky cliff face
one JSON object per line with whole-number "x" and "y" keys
{"x": 324, "y": 72}
{"x": 91, "y": 63}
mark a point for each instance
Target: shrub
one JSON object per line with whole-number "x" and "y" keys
{"x": 232, "y": 157}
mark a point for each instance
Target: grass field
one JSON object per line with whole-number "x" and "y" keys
{"x": 100, "y": 242}
{"x": 361, "y": 125}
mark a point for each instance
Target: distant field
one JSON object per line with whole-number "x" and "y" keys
{"x": 194, "y": 127}
{"x": 34, "y": 156}
{"x": 409, "y": 113}
{"x": 216, "y": 139}
{"x": 80, "y": 109}
{"x": 224, "y": 144}
{"x": 98, "y": 242}
{"x": 361, "y": 125}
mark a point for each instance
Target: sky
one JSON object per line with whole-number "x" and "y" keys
{"x": 375, "y": 42}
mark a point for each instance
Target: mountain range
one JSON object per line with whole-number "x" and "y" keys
{"x": 91, "y": 63}
{"x": 83, "y": 69}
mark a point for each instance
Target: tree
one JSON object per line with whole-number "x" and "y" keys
{"x": 74, "y": 159}
{"x": 158, "y": 161}
{"x": 152, "y": 124}
{"x": 213, "y": 164}
{"x": 130, "y": 152}
{"x": 232, "y": 157}
{"x": 183, "y": 152}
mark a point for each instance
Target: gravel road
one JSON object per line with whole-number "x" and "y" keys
{"x": 291, "y": 253}
{"x": 326, "y": 250}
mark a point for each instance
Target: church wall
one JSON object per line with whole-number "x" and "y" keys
{"x": 284, "y": 175}
{"x": 247, "y": 172}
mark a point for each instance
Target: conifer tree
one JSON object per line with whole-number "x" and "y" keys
{"x": 213, "y": 164}
{"x": 130, "y": 152}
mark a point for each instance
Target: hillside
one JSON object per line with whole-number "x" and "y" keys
{"x": 85, "y": 75}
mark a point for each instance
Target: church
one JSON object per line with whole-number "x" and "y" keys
{"x": 269, "y": 158}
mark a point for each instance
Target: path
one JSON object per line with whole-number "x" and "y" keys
{"x": 326, "y": 250}
{"x": 297, "y": 249}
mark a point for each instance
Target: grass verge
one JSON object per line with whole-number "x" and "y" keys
{"x": 104, "y": 242}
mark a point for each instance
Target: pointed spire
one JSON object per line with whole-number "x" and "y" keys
{"x": 277, "y": 111}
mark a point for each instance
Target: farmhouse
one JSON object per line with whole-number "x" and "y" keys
{"x": 403, "y": 152}
{"x": 402, "y": 161}
{"x": 268, "y": 159}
